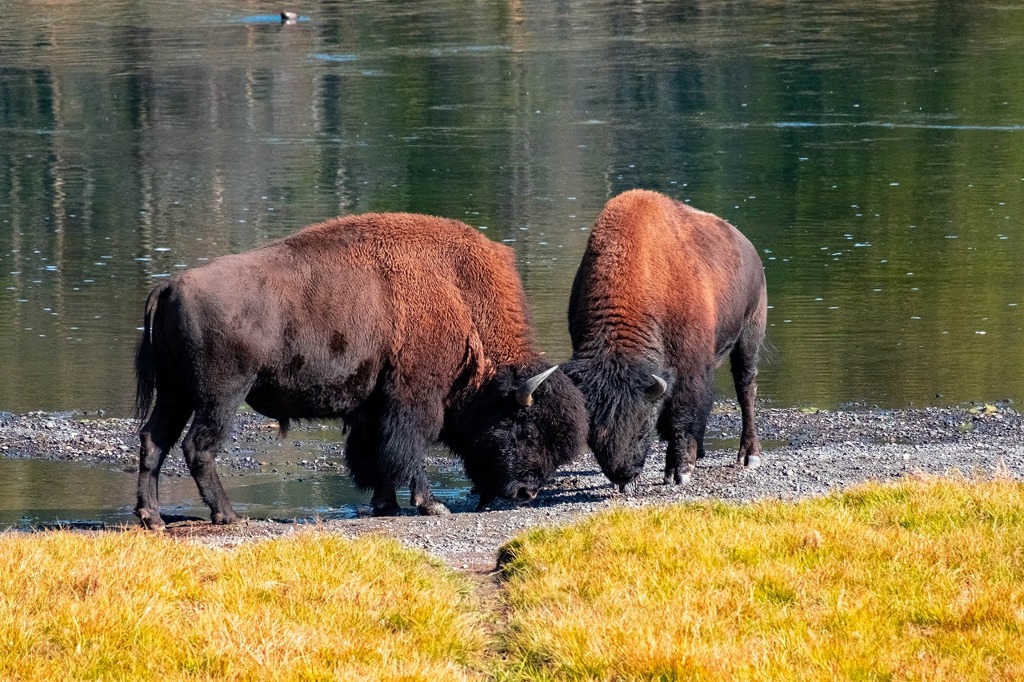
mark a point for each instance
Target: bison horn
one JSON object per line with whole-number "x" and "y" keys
{"x": 524, "y": 394}
{"x": 656, "y": 389}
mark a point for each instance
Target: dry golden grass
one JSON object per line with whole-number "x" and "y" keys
{"x": 923, "y": 580}
{"x": 134, "y": 606}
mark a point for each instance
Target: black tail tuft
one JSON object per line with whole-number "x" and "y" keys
{"x": 145, "y": 368}
{"x": 767, "y": 351}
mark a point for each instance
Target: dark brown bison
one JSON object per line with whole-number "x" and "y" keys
{"x": 664, "y": 293}
{"x": 410, "y": 329}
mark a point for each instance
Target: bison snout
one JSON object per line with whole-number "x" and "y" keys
{"x": 622, "y": 477}
{"x": 521, "y": 492}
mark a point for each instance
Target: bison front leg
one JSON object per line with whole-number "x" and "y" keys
{"x": 362, "y": 455}
{"x": 750, "y": 446}
{"x": 422, "y": 498}
{"x": 680, "y": 459}
{"x": 683, "y": 425}
{"x": 384, "y": 501}
{"x": 403, "y": 451}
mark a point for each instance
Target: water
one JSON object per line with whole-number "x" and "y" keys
{"x": 873, "y": 151}
{"x": 39, "y": 493}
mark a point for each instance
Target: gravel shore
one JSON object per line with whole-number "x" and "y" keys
{"x": 808, "y": 452}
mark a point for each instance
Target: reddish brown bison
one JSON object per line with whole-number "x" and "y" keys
{"x": 410, "y": 329}
{"x": 664, "y": 293}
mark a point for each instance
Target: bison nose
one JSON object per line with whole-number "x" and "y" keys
{"x": 623, "y": 477}
{"x": 524, "y": 493}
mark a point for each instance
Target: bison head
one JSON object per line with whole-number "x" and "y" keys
{"x": 517, "y": 429}
{"x": 621, "y": 398}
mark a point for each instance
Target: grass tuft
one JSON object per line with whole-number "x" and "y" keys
{"x": 134, "y": 606}
{"x": 919, "y": 580}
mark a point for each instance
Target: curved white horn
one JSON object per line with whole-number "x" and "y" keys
{"x": 656, "y": 389}
{"x": 524, "y": 394}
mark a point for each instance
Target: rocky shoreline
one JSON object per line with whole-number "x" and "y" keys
{"x": 808, "y": 452}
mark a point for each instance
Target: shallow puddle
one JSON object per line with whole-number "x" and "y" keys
{"x": 37, "y": 493}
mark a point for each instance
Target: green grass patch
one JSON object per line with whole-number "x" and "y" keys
{"x": 922, "y": 580}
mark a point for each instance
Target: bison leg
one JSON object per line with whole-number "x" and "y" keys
{"x": 158, "y": 436}
{"x": 743, "y": 363}
{"x": 683, "y": 425}
{"x": 404, "y": 449}
{"x": 422, "y": 498}
{"x": 680, "y": 460}
{"x": 209, "y": 430}
{"x": 672, "y": 459}
{"x": 384, "y": 501}
{"x": 683, "y": 454}
{"x": 362, "y": 455}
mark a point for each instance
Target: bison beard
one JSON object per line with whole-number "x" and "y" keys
{"x": 410, "y": 329}
{"x": 663, "y": 295}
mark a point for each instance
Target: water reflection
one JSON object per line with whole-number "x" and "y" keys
{"x": 872, "y": 150}
{"x": 40, "y": 492}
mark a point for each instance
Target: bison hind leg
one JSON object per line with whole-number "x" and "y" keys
{"x": 210, "y": 427}
{"x": 158, "y": 436}
{"x": 743, "y": 363}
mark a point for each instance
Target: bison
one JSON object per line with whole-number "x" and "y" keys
{"x": 663, "y": 294}
{"x": 410, "y": 329}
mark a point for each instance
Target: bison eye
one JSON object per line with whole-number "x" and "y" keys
{"x": 525, "y": 432}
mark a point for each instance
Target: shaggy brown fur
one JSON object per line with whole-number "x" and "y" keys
{"x": 411, "y": 329}
{"x": 665, "y": 290}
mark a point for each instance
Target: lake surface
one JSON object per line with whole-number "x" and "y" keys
{"x": 872, "y": 151}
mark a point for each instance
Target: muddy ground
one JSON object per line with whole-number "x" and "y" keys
{"x": 809, "y": 452}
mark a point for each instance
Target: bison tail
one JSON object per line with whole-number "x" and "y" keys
{"x": 145, "y": 367}
{"x": 767, "y": 351}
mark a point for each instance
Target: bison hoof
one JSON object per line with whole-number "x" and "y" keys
{"x": 387, "y": 509}
{"x": 631, "y": 487}
{"x": 752, "y": 461}
{"x": 224, "y": 518}
{"x": 676, "y": 476}
{"x": 433, "y": 508}
{"x": 150, "y": 520}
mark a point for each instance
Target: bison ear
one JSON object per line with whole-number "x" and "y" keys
{"x": 524, "y": 394}
{"x": 572, "y": 369}
{"x": 655, "y": 389}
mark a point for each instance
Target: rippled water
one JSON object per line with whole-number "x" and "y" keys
{"x": 873, "y": 151}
